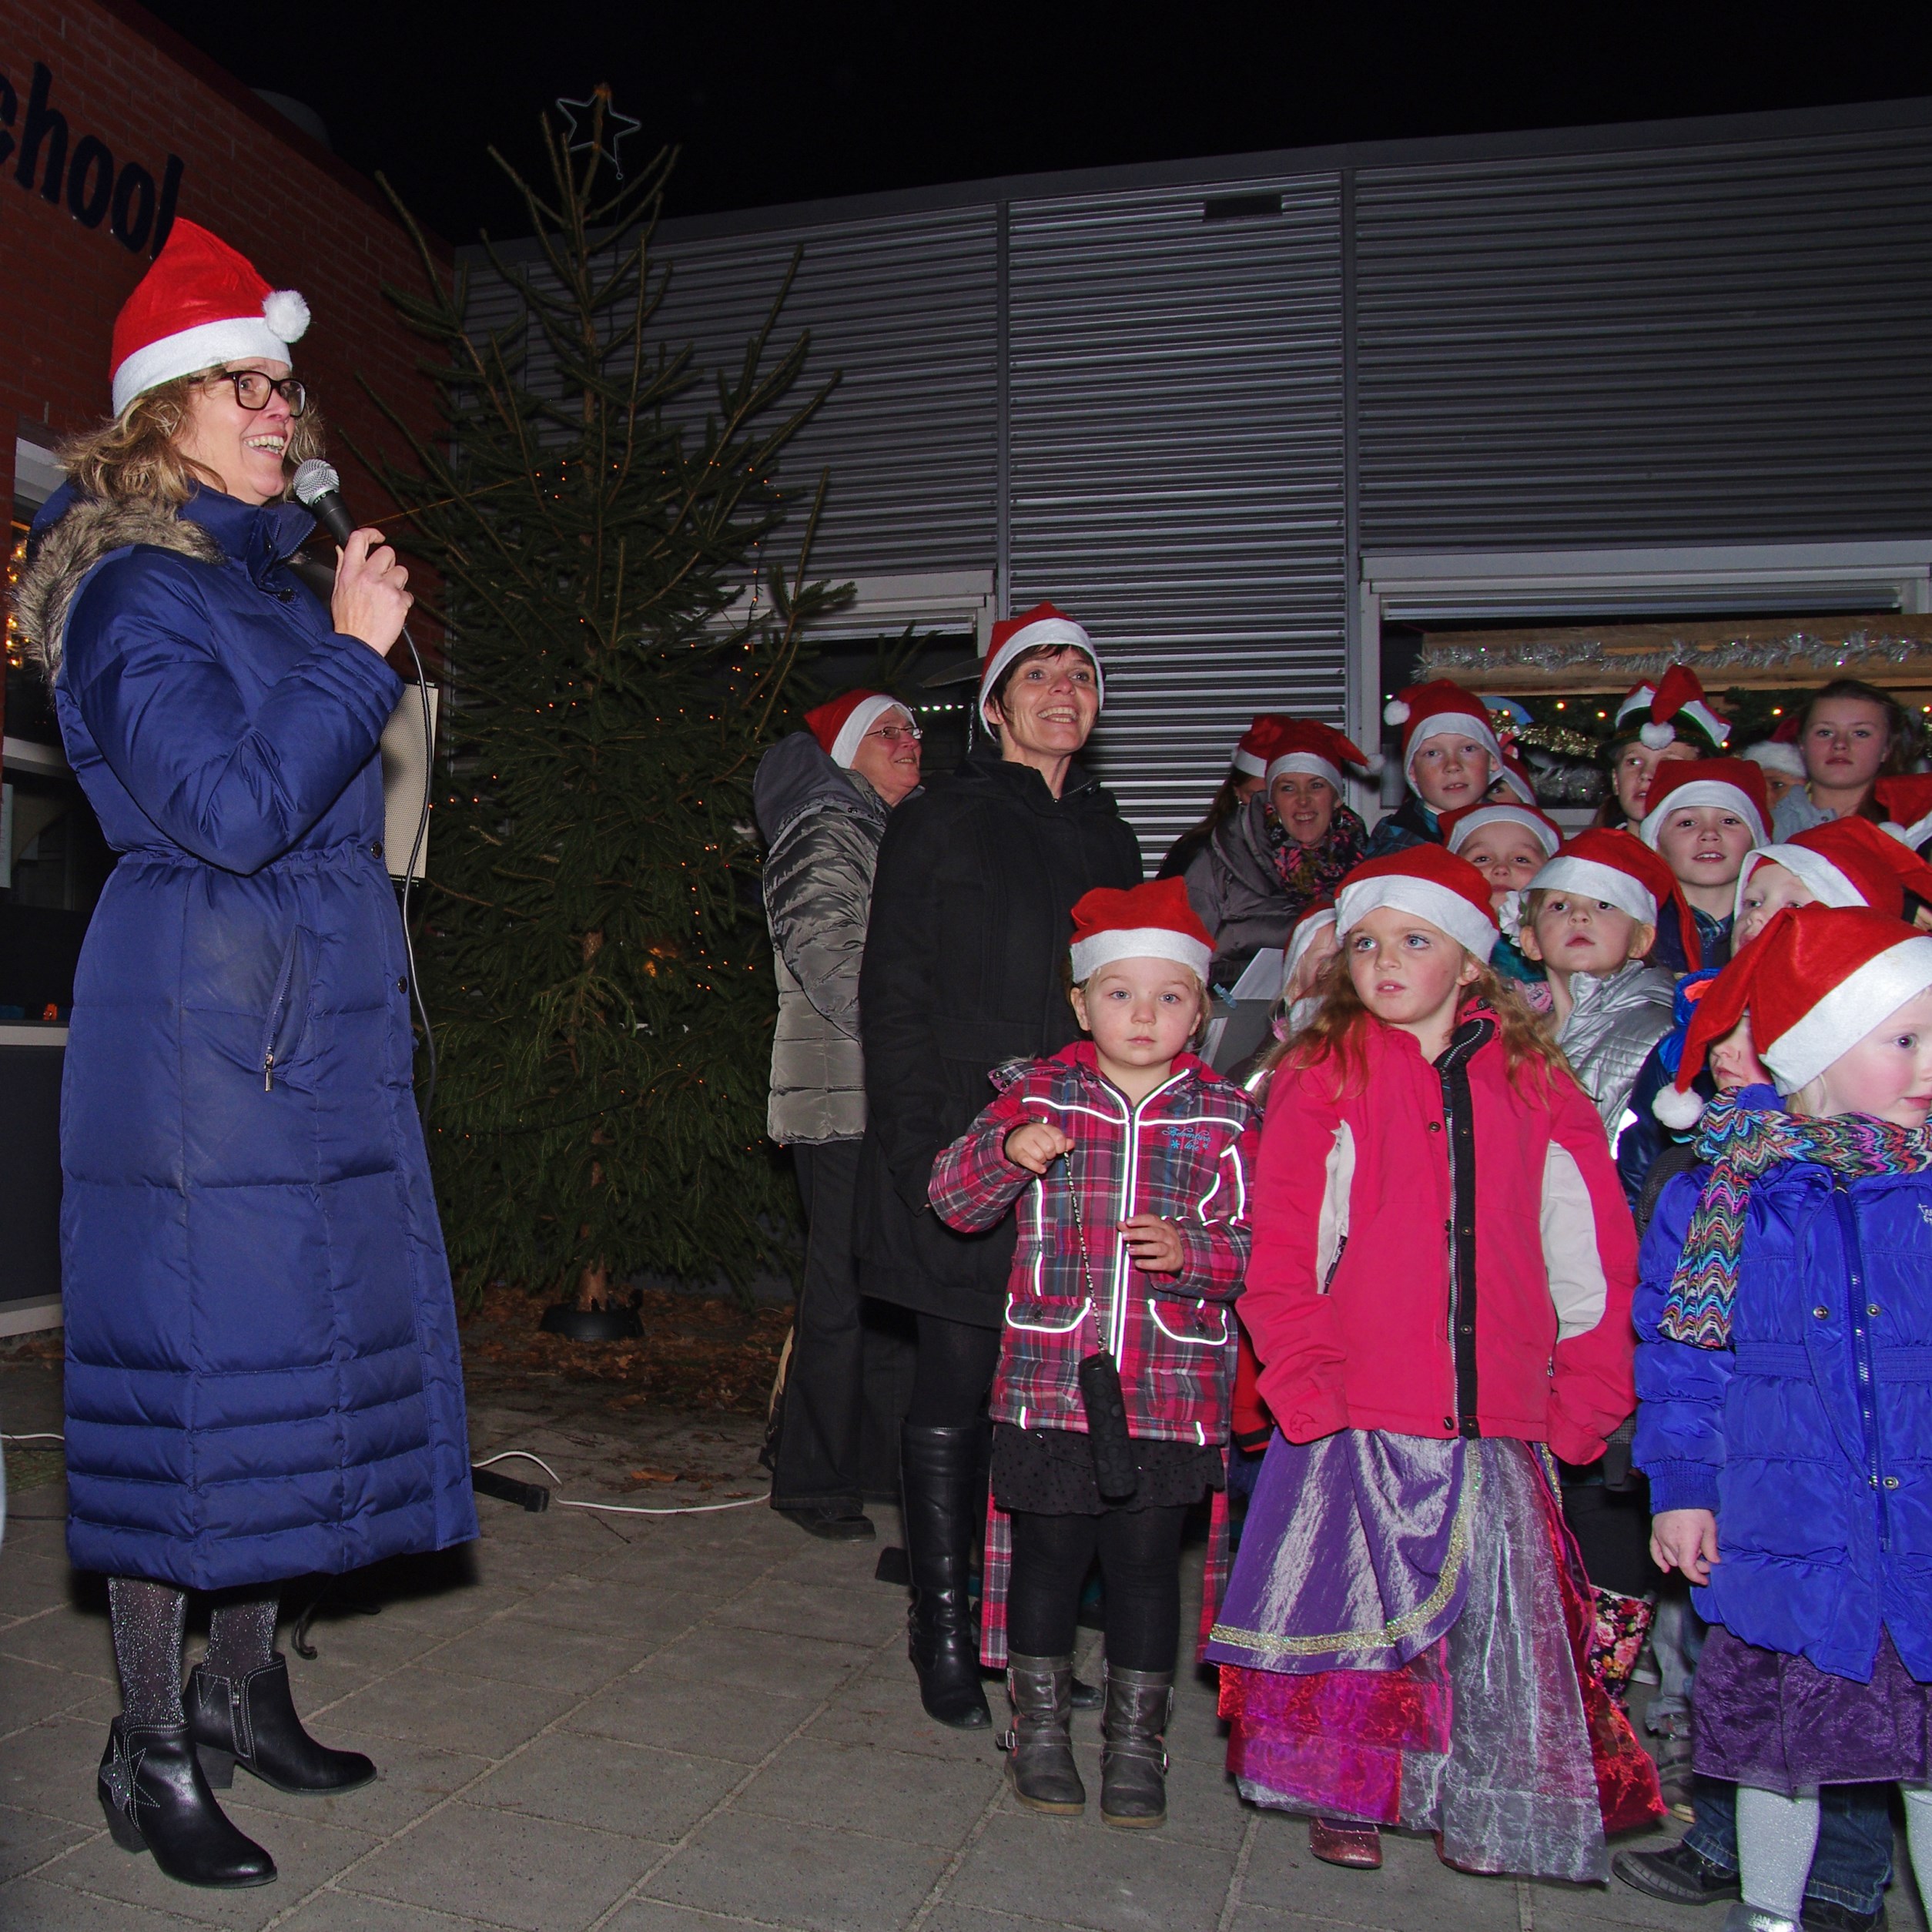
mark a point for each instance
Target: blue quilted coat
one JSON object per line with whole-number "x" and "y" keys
{"x": 262, "y": 1377}
{"x": 1811, "y": 1437}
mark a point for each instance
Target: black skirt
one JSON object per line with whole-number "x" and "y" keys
{"x": 1049, "y": 1472}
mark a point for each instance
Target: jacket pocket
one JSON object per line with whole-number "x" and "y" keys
{"x": 1193, "y": 1324}
{"x": 287, "y": 1018}
{"x": 1047, "y": 1315}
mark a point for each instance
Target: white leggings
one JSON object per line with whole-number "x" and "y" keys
{"x": 1776, "y": 1837}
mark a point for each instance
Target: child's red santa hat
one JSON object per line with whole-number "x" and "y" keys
{"x": 1463, "y": 824}
{"x": 1619, "y": 869}
{"x": 1014, "y": 636}
{"x": 1773, "y": 754}
{"x": 1515, "y": 774}
{"x": 1150, "y": 922}
{"x": 1655, "y": 708}
{"x": 1257, "y": 744}
{"x": 840, "y": 724}
{"x": 1317, "y": 919}
{"x": 1429, "y": 882}
{"x": 1426, "y": 711}
{"x": 201, "y": 305}
{"x": 1848, "y": 861}
{"x": 1906, "y": 802}
{"x": 1302, "y": 744}
{"x": 1816, "y": 981}
{"x": 1734, "y": 784}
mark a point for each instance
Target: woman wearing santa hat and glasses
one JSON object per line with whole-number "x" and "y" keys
{"x": 965, "y": 962}
{"x": 262, "y": 1378}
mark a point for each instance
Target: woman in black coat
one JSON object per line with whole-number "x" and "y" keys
{"x": 971, "y": 918}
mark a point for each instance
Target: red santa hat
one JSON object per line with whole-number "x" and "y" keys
{"x": 1428, "y": 881}
{"x": 1302, "y": 744}
{"x": 1735, "y": 784}
{"x": 1906, "y": 802}
{"x": 839, "y": 724}
{"x": 1425, "y": 711}
{"x": 202, "y": 304}
{"x": 1619, "y": 869}
{"x": 1770, "y": 755}
{"x": 1463, "y": 824}
{"x": 1318, "y": 919}
{"x": 1818, "y": 979}
{"x": 1515, "y": 774}
{"x": 1677, "y": 695}
{"x": 1257, "y": 744}
{"x": 1013, "y": 636}
{"x": 1847, "y": 861}
{"x": 1150, "y": 922}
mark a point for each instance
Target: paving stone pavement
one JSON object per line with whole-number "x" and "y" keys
{"x": 671, "y": 1724}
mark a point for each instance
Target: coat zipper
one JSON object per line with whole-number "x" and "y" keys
{"x": 1117, "y": 1322}
{"x": 1862, "y": 1356}
{"x": 278, "y": 1001}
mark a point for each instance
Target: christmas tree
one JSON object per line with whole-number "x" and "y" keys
{"x": 592, "y": 945}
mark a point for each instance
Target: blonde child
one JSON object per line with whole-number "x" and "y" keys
{"x": 1508, "y": 841}
{"x": 1785, "y": 1316}
{"x": 1128, "y": 1157}
{"x": 1703, "y": 816}
{"x": 1439, "y": 1286}
{"x": 1451, "y": 757}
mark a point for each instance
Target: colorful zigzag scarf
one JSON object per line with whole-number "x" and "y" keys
{"x": 1741, "y": 1145}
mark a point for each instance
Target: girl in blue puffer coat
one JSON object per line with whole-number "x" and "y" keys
{"x": 1785, "y": 1381}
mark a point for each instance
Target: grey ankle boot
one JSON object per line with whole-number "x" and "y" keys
{"x": 1039, "y": 1747}
{"x": 1134, "y": 1760}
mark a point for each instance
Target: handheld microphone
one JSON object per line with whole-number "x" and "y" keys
{"x": 319, "y": 489}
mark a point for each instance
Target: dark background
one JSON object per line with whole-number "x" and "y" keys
{"x": 818, "y": 97}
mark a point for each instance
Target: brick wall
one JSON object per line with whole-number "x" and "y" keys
{"x": 124, "y": 82}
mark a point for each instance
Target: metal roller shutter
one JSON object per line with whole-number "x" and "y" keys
{"x": 1176, "y": 467}
{"x": 1727, "y": 341}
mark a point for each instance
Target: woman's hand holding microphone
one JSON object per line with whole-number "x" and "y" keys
{"x": 371, "y": 600}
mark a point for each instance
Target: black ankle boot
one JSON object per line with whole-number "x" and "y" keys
{"x": 939, "y": 1468}
{"x": 250, "y": 1720}
{"x": 152, "y": 1789}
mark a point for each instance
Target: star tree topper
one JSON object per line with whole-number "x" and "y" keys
{"x": 616, "y": 126}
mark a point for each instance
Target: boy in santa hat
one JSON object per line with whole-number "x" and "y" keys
{"x": 1507, "y": 842}
{"x": 1669, "y": 721}
{"x": 1451, "y": 757}
{"x": 1702, "y": 818}
{"x": 1783, "y": 1302}
{"x": 1130, "y": 1159}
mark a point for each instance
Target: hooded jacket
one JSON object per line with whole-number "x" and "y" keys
{"x": 262, "y": 1378}
{"x": 1440, "y": 1251}
{"x": 822, "y": 826}
{"x": 1614, "y": 1022}
{"x": 965, "y": 967}
{"x": 1811, "y": 1435}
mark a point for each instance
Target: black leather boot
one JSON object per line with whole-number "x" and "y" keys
{"x": 250, "y": 1720}
{"x": 1133, "y": 1759}
{"x": 152, "y": 1789}
{"x": 939, "y": 1468}
{"x": 1041, "y": 1745}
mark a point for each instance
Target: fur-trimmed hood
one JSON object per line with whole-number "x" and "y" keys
{"x": 65, "y": 550}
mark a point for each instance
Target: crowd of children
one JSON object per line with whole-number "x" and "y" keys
{"x": 1415, "y": 1226}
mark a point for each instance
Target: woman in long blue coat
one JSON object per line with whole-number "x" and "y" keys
{"x": 263, "y": 1379}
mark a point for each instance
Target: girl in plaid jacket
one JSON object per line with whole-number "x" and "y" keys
{"x": 1129, "y": 1160}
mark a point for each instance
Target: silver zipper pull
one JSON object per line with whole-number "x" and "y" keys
{"x": 268, "y": 1073}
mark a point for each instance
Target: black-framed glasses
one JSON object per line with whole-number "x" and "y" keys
{"x": 254, "y": 389}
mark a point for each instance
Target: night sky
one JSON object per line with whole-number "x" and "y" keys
{"x": 792, "y": 103}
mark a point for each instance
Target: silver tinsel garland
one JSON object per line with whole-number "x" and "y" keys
{"x": 1801, "y": 652}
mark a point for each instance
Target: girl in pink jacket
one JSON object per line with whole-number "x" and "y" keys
{"x": 1439, "y": 1295}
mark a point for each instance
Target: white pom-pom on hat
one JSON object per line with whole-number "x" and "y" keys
{"x": 1373, "y": 764}
{"x": 1658, "y": 736}
{"x": 1395, "y": 712}
{"x": 1681, "y": 1111}
{"x": 286, "y": 315}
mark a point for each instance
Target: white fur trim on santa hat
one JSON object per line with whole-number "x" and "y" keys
{"x": 1312, "y": 763}
{"x": 1439, "y": 723}
{"x": 1247, "y": 763}
{"x": 1593, "y": 879}
{"x": 1680, "y": 1110}
{"x": 1858, "y": 1004}
{"x": 1539, "y": 828}
{"x": 1786, "y": 760}
{"x": 1308, "y": 929}
{"x": 207, "y": 345}
{"x": 1812, "y": 870}
{"x": 1139, "y": 942}
{"x": 1061, "y": 630}
{"x": 865, "y": 715}
{"x": 1703, "y": 791}
{"x": 1475, "y": 932}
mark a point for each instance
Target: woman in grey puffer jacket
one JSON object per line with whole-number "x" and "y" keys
{"x": 822, "y": 797}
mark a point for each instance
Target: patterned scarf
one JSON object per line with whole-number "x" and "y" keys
{"x": 1743, "y": 1144}
{"x": 1312, "y": 872}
